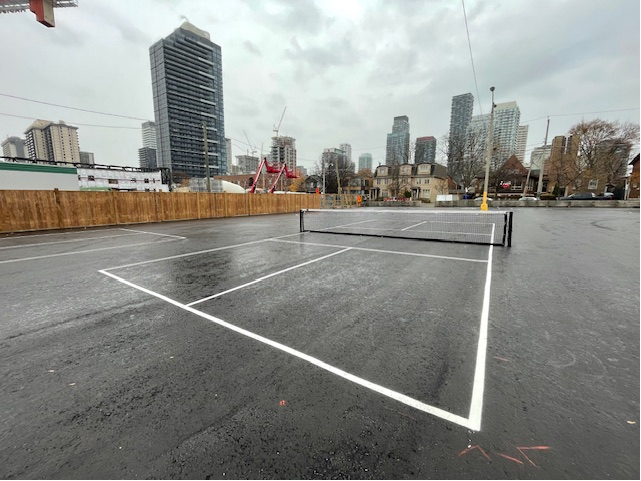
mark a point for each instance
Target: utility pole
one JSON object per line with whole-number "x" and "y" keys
{"x": 206, "y": 156}
{"x": 488, "y": 153}
{"x": 323, "y": 169}
{"x": 539, "y": 188}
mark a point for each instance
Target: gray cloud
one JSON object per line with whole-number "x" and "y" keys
{"x": 343, "y": 72}
{"x": 251, "y": 48}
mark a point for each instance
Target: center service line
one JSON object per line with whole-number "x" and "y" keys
{"x": 402, "y": 398}
{"x": 265, "y": 277}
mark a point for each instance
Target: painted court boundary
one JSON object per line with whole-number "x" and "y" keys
{"x": 473, "y": 421}
{"x": 173, "y": 238}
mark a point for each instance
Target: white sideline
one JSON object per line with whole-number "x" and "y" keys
{"x": 82, "y": 252}
{"x": 476, "y": 406}
{"x": 65, "y": 241}
{"x": 440, "y": 413}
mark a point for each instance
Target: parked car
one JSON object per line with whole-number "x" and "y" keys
{"x": 527, "y": 198}
{"x": 580, "y": 196}
{"x": 480, "y": 199}
{"x": 606, "y": 196}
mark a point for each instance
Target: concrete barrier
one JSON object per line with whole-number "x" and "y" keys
{"x": 503, "y": 204}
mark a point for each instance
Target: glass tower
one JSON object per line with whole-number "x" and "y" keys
{"x": 187, "y": 83}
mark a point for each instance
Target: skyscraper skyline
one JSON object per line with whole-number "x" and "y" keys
{"x": 186, "y": 72}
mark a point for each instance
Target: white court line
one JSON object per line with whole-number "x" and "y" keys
{"x": 381, "y": 229}
{"x": 465, "y": 259}
{"x": 65, "y": 241}
{"x": 260, "y": 279}
{"x": 154, "y": 233}
{"x": 415, "y": 225}
{"x": 59, "y": 233}
{"x": 440, "y": 413}
{"x": 197, "y": 252}
{"x": 347, "y": 225}
{"x": 476, "y": 406}
{"x": 83, "y": 251}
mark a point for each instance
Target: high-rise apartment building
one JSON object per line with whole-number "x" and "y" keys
{"x": 187, "y": 84}
{"x": 14, "y": 147}
{"x": 506, "y": 126}
{"x": 55, "y": 142}
{"x": 147, "y": 154}
{"x": 347, "y": 148}
{"x": 149, "y": 134}
{"x": 147, "y": 158}
{"x": 398, "y": 142}
{"x": 521, "y": 142}
{"x": 460, "y": 119}
{"x": 365, "y": 161}
{"x": 425, "y": 150}
{"x": 284, "y": 151}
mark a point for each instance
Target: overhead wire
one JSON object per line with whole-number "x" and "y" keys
{"x": 469, "y": 44}
{"x": 71, "y": 108}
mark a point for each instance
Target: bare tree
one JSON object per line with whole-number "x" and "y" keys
{"x": 345, "y": 169}
{"x": 400, "y": 180}
{"x": 465, "y": 157}
{"x": 563, "y": 169}
{"x": 604, "y": 147}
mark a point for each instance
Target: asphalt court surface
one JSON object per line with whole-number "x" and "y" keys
{"x": 326, "y": 323}
{"x": 343, "y": 356}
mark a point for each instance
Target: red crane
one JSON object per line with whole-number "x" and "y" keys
{"x": 271, "y": 169}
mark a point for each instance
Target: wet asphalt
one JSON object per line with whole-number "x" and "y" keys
{"x": 102, "y": 380}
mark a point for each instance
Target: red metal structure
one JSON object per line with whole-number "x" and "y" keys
{"x": 271, "y": 169}
{"x": 42, "y": 8}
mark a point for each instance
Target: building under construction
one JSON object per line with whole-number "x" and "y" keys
{"x": 283, "y": 151}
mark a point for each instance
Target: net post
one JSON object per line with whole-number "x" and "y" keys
{"x": 509, "y": 229}
{"x": 302, "y": 222}
{"x": 505, "y": 222}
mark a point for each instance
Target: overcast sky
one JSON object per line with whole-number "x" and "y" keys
{"x": 343, "y": 68}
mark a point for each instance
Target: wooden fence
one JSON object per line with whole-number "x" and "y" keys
{"x": 24, "y": 210}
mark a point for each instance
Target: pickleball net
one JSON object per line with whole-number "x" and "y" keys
{"x": 463, "y": 226}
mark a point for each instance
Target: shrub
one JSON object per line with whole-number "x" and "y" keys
{"x": 548, "y": 197}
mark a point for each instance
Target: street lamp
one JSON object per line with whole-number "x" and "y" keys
{"x": 488, "y": 152}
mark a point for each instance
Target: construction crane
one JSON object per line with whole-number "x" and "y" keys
{"x": 252, "y": 147}
{"x": 277, "y": 127}
{"x": 271, "y": 169}
{"x": 42, "y": 8}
